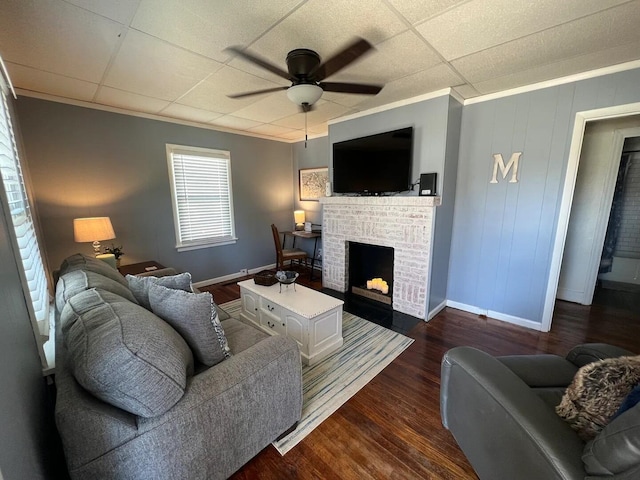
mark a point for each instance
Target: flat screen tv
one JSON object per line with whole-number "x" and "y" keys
{"x": 374, "y": 165}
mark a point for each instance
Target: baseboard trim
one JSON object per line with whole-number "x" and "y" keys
{"x": 503, "y": 317}
{"x": 436, "y": 310}
{"x": 231, "y": 276}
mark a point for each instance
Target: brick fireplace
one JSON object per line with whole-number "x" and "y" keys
{"x": 401, "y": 222}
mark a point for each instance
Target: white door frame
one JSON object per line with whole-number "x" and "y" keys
{"x": 567, "y": 197}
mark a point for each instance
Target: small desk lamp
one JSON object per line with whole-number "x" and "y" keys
{"x": 93, "y": 229}
{"x": 298, "y": 216}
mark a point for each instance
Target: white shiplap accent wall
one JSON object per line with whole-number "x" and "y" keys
{"x": 403, "y": 223}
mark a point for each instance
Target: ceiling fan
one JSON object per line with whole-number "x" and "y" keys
{"x": 307, "y": 74}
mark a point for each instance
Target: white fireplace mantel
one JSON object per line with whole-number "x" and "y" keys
{"x": 404, "y": 223}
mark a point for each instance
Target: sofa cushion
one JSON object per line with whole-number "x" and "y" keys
{"x": 124, "y": 354}
{"x": 76, "y": 281}
{"x": 615, "y": 449}
{"x": 90, "y": 264}
{"x": 195, "y": 317}
{"x": 596, "y": 393}
{"x": 139, "y": 286}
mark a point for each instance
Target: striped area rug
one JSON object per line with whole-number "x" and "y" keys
{"x": 368, "y": 348}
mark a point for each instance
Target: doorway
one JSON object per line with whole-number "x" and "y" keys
{"x": 581, "y": 120}
{"x": 600, "y": 162}
{"x": 618, "y": 282}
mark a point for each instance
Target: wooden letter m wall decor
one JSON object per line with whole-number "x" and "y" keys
{"x": 498, "y": 162}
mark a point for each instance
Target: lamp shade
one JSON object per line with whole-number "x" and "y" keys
{"x": 92, "y": 229}
{"x": 298, "y": 216}
{"x": 304, "y": 93}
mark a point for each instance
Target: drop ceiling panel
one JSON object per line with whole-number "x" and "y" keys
{"x": 152, "y": 67}
{"x": 430, "y": 80}
{"x": 481, "y": 24}
{"x": 603, "y": 58}
{"x": 417, "y": 10}
{"x": 269, "y": 108}
{"x": 50, "y": 83}
{"x": 236, "y": 123}
{"x": 189, "y": 113}
{"x": 121, "y": 11}
{"x": 159, "y": 56}
{"x": 129, "y": 101}
{"x": 590, "y": 34}
{"x": 57, "y": 37}
{"x": 320, "y": 114}
{"x": 271, "y": 130}
{"x": 212, "y": 93}
{"x": 326, "y": 26}
{"x": 207, "y": 27}
{"x": 394, "y": 58}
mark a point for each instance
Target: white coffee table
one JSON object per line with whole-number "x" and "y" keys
{"x": 312, "y": 318}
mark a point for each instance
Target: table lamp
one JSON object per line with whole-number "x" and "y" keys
{"x": 298, "y": 216}
{"x": 93, "y": 229}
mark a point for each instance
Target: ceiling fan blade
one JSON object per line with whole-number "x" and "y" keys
{"x": 349, "y": 54}
{"x": 350, "y": 88}
{"x": 257, "y": 92}
{"x": 261, "y": 62}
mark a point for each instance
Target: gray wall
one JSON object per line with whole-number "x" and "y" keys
{"x": 444, "y": 213}
{"x": 24, "y": 424}
{"x": 503, "y": 233}
{"x": 86, "y": 162}
{"x": 315, "y": 155}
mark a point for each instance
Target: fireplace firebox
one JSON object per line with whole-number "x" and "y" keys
{"x": 371, "y": 272}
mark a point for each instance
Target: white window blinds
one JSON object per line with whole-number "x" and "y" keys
{"x": 19, "y": 211}
{"x": 202, "y": 198}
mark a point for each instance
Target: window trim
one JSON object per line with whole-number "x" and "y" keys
{"x": 41, "y": 328}
{"x": 183, "y": 246}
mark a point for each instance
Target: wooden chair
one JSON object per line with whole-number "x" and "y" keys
{"x": 288, "y": 253}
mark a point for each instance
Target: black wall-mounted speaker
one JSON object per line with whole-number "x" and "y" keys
{"x": 428, "y": 184}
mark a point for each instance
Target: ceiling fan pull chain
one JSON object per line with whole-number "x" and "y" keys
{"x": 305, "y": 128}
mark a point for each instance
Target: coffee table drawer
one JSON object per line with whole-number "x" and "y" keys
{"x": 270, "y": 307}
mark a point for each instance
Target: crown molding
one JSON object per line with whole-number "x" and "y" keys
{"x": 151, "y": 116}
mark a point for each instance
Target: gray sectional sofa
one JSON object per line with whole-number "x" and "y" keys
{"x": 133, "y": 403}
{"x": 501, "y": 411}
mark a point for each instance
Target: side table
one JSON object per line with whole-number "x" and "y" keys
{"x": 142, "y": 267}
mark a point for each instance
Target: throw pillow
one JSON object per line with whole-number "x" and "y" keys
{"x": 124, "y": 354}
{"x": 140, "y": 285}
{"x": 76, "y": 281}
{"x": 596, "y": 393}
{"x": 90, "y": 264}
{"x": 195, "y": 317}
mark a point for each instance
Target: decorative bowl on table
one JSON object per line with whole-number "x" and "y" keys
{"x": 287, "y": 278}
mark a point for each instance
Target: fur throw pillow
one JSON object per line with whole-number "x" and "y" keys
{"x": 596, "y": 393}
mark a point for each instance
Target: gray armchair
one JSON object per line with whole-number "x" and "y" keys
{"x": 501, "y": 411}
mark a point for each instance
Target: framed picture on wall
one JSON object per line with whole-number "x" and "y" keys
{"x": 313, "y": 183}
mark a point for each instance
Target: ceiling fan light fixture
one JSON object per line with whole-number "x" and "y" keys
{"x": 304, "y": 93}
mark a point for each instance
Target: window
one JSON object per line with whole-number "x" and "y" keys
{"x": 19, "y": 214}
{"x": 202, "y": 199}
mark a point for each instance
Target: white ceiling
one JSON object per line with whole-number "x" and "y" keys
{"x": 168, "y": 58}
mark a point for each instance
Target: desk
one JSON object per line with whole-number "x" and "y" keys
{"x": 302, "y": 234}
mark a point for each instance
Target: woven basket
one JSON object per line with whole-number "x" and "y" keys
{"x": 265, "y": 278}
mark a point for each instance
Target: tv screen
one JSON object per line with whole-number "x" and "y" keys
{"x": 376, "y": 164}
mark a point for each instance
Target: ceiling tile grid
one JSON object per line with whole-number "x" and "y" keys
{"x": 171, "y": 57}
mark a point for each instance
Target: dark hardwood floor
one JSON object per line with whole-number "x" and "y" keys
{"x": 391, "y": 428}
